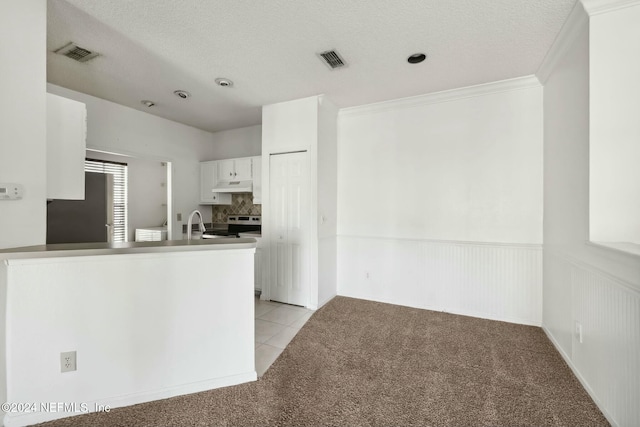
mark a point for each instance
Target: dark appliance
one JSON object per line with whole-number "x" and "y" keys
{"x": 237, "y": 224}
{"x": 83, "y": 221}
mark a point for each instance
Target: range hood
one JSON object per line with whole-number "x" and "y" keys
{"x": 233, "y": 187}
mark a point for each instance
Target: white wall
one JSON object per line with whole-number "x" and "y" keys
{"x": 234, "y": 143}
{"x": 23, "y": 111}
{"x": 114, "y": 128}
{"x": 582, "y": 283}
{"x": 293, "y": 126}
{"x": 327, "y": 194}
{"x": 468, "y": 169}
{"x": 615, "y": 126}
{"x": 147, "y": 190}
{"x": 440, "y": 201}
{"x": 146, "y": 326}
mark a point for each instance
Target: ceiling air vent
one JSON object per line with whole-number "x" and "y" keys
{"x": 75, "y": 52}
{"x": 332, "y": 59}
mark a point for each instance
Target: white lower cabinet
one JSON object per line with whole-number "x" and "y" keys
{"x": 256, "y": 168}
{"x": 260, "y": 265}
{"x": 258, "y": 269}
{"x": 208, "y": 180}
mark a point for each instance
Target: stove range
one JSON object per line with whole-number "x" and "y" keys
{"x": 238, "y": 224}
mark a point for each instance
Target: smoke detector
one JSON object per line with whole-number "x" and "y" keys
{"x": 332, "y": 59}
{"x": 75, "y": 52}
{"x": 182, "y": 94}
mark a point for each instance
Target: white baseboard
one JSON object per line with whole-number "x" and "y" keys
{"x": 579, "y": 376}
{"x": 24, "y": 419}
{"x": 470, "y": 313}
{"x": 490, "y": 316}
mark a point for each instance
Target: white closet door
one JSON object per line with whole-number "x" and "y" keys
{"x": 290, "y": 224}
{"x": 280, "y": 280}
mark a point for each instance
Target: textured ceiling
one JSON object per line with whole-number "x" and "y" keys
{"x": 149, "y": 48}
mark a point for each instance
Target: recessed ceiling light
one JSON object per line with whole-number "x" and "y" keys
{"x": 416, "y": 58}
{"x": 148, "y": 103}
{"x": 182, "y": 94}
{"x": 224, "y": 82}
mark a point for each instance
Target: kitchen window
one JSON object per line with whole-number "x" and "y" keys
{"x": 120, "y": 196}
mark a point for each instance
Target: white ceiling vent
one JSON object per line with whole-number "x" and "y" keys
{"x": 332, "y": 58}
{"x": 75, "y": 52}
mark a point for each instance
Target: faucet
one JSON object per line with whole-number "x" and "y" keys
{"x": 190, "y": 223}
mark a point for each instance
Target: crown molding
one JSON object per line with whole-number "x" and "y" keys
{"x": 519, "y": 83}
{"x": 596, "y": 7}
{"x": 576, "y": 23}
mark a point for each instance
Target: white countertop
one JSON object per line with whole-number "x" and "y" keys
{"x": 254, "y": 234}
{"x": 90, "y": 249}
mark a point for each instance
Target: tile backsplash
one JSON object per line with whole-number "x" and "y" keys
{"x": 241, "y": 204}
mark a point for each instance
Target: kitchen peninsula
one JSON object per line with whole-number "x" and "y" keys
{"x": 146, "y": 321}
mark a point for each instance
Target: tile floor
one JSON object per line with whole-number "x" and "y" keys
{"x": 276, "y": 325}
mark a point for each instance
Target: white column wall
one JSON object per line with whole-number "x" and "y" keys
{"x": 327, "y": 216}
{"x": 585, "y": 284}
{"x": 286, "y": 127}
{"x": 614, "y": 192}
{"x": 23, "y": 32}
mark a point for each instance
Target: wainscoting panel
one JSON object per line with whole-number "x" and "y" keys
{"x": 608, "y": 359}
{"x": 488, "y": 280}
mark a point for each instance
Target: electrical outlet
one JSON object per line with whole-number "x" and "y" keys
{"x": 68, "y": 361}
{"x": 579, "y": 332}
{"x": 179, "y": 217}
{"x": 366, "y": 275}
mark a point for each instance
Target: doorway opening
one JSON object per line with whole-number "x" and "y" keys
{"x": 148, "y": 192}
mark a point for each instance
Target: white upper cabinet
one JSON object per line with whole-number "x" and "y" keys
{"x": 226, "y": 169}
{"x": 208, "y": 179}
{"x": 243, "y": 169}
{"x": 234, "y": 169}
{"x": 66, "y": 148}
{"x": 256, "y": 165}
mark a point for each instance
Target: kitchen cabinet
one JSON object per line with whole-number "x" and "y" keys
{"x": 260, "y": 266}
{"x": 66, "y": 148}
{"x": 260, "y": 261}
{"x": 208, "y": 179}
{"x": 256, "y": 165}
{"x": 234, "y": 169}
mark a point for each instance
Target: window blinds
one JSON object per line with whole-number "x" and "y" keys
{"x": 120, "y": 197}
